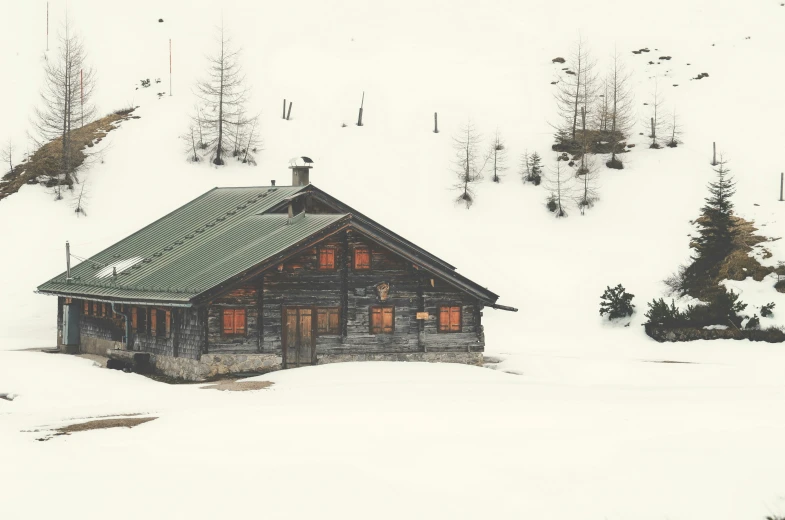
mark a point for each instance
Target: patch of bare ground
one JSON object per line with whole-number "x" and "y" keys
{"x": 669, "y": 361}
{"x": 232, "y": 385}
{"x": 45, "y": 164}
{"x": 127, "y": 421}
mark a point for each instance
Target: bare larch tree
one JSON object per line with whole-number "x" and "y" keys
{"x": 656, "y": 122}
{"x": 587, "y": 193}
{"x": 65, "y": 97}
{"x": 468, "y": 164}
{"x": 559, "y": 185}
{"x": 7, "y": 155}
{"x": 498, "y": 153}
{"x": 575, "y": 91}
{"x": 674, "y": 131}
{"x": 223, "y": 94}
{"x": 621, "y": 112}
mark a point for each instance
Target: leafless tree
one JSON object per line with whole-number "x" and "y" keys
{"x": 656, "y": 121}
{"x": 587, "y": 192}
{"x": 498, "y": 153}
{"x": 7, "y": 155}
{"x": 66, "y": 96}
{"x": 602, "y": 112}
{"x": 559, "y": 185}
{"x": 621, "y": 112}
{"x": 674, "y": 130}
{"x": 469, "y": 164}
{"x": 223, "y": 95}
{"x": 80, "y": 201}
{"x": 253, "y": 143}
{"x": 577, "y": 90}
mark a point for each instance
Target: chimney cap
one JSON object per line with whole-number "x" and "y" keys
{"x": 300, "y": 162}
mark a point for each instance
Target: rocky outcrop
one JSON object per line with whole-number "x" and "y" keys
{"x": 663, "y": 334}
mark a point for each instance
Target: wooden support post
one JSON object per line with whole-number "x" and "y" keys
{"x": 260, "y": 313}
{"x": 714, "y": 155}
{"x": 175, "y": 329}
{"x": 653, "y": 135}
{"x": 420, "y": 308}
{"x": 782, "y": 181}
{"x": 289, "y": 113}
{"x": 360, "y": 117}
{"x": 435, "y": 123}
{"x": 206, "y": 329}
{"x": 283, "y": 116}
{"x": 345, "y": 259}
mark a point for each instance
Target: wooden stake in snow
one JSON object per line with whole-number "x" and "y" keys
{"x": 283, "y": 114}
{"x": 782, "y": 181}
{"x": 435, "y": 123}
{"x": 81, "y": 87}
{"x": 360, "y": 117}
{"x": 289, "y": 113}
{"x": 714, "y": 154}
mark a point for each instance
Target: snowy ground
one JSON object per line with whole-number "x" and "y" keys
{"x": 590, "y": 429}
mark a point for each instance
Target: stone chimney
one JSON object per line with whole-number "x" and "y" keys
{"x": 301, "y": 170}
{"x": 300, "y": 175}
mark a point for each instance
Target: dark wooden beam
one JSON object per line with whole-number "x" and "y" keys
{"x": 345, "y": 261}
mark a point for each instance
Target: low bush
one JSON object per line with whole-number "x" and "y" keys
{"x": 753, "y": 323}
{"x": 766, "y": 310}
{"x": 660, "y": 313}
{"x": 616, "y": 302}
{"x": 723, "y": 308}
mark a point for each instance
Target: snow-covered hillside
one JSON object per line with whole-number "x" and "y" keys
{"x": 485, "y": 61}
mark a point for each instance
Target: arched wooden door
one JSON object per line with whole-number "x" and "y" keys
{"x": 298, "y": 338}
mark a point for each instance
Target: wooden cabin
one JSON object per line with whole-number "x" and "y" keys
{"x": 246, "y": 280}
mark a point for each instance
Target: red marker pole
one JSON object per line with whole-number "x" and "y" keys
{"x": 170, "y": 66}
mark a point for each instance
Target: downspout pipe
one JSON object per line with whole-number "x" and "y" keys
{"x": 127, "y": 326}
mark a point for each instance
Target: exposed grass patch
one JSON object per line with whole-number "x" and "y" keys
{"x": 126, "y": 421}
{"x": 44, "y": 165}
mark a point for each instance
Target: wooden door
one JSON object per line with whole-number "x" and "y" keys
{"x": 299, "y": 348}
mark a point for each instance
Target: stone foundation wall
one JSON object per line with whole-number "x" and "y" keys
{"x": 466, "y": 358}
{"x": 98, "y": 346}
{"x": 216, "y": 365}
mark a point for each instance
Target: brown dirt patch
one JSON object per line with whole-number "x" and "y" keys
{"x": 670, "y": 361}
{"x": 232, "y": 385}
{"x": 102, "y": 424}
{"x": 44, "y": 165}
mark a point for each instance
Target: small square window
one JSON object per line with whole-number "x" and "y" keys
{"x": 234, "y": 322}
{"x": 382, "y": 320}
{"x": 450, "y": 318}
{"x": 327, "y": 320}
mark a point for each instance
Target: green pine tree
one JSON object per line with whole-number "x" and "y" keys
{"x": 716, "y": 233}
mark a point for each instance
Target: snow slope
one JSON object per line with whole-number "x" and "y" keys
{"x": 589, "y": 428}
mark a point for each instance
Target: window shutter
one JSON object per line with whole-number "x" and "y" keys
{"x": 153, "y": 322}
{"x": 239, "y": 321}
{"x": 327, "y": 258}
{"x": 444, "y": 319}
{"x": 322, "y": 321}
{"x": 228, "y": 321}
{"x": 168, "y": 322}
{"x": 333, "y": 325}
{"x": 362, "y": 258}
{"x": 387, "y": 320}
{"x": 134, "y": 318}
{"x": 376, "y": 320}
{"x": 455, "y": 319}
{"x": 86, "y": 307}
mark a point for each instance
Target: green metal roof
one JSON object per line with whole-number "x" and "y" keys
{"x": 196, "y": 247}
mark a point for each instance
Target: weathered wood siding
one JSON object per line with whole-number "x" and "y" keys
{"x": 185, "y": 338}
{"x": 245, "y": 297}
{"x": 300, "y": 282}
